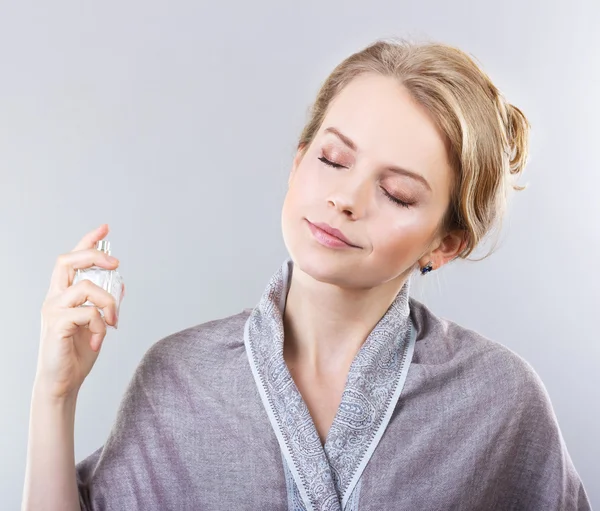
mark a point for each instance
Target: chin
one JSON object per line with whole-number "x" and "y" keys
{"x": 322, "y": 264}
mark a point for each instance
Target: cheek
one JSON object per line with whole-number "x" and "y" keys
{"x": 303, "y": 188}
{"x": 401, "y": 234}
{"x": 299, "y": 194}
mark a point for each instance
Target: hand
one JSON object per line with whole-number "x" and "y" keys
{"x": 71, "y": 336}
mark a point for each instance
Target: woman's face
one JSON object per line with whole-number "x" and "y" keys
{"x": 391, "y": 216}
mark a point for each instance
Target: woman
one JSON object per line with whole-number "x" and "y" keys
{"x": 338, "y": 390}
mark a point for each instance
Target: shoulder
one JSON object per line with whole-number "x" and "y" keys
{"x": 494, "y": 389}
{"x": 488, "y": 365}
{"x": 206, "y": 344}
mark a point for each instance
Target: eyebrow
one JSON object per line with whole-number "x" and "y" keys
{"x": 398, "y": 170}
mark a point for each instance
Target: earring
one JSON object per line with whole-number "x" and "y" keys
{"x": 427, "y": 268}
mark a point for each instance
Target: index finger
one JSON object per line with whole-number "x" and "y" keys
{"x": 62, "y": 277}
{"x": 90, "y": 239}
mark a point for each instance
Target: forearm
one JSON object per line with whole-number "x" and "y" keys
{"x": 50, "y": 478}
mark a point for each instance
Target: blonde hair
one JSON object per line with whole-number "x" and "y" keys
{"x": 487, "y": 137}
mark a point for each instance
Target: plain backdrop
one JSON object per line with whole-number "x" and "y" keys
{"x": 176, "y": 123}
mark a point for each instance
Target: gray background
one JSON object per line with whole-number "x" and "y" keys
{"x": 176, "y": 123}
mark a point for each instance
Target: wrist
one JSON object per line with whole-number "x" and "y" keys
{"x": 42, "y": 394}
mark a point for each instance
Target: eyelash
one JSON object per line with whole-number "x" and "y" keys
{"x": 388, "y": 196}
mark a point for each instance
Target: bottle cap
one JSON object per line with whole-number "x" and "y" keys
{"x": 103, "y": 246}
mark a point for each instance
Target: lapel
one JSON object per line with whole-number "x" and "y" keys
{"x": 325, "y": 476}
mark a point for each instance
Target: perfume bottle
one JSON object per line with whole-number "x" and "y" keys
{"x": 109, "y": 280}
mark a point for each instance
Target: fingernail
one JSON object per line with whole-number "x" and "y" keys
{"x": 112, "y": 259}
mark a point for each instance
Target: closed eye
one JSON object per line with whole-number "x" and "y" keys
{"x": 388, "y": 196}
{"x": 397, "y": 200}
{"x": 330, "y": 163}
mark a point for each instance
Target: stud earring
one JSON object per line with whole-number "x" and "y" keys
{"x": 427, "y": 268}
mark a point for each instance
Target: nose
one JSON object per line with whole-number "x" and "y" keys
{"x": 351, "y": 195}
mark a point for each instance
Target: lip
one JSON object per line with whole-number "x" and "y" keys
{"x": 330, "y": 236}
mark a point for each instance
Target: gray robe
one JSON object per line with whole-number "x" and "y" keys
{"x": 433, "y": 416}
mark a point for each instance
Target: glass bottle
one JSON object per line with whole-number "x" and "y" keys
{"x": 109, "y": 280}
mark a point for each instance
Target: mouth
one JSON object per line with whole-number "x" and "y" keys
{"x": 329, "y": 235}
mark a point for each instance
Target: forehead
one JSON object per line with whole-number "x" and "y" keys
{"x": 389, "y": 127}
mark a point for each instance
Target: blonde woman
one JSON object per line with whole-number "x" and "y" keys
{"x": 338, "y": 391}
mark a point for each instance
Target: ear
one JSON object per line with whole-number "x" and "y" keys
{"x": 448, "y": 249}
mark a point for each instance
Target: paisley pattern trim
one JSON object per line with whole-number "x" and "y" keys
{"x": 325, "y": 476}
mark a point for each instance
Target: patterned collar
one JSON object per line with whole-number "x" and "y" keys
{"x": 325, "y": 476}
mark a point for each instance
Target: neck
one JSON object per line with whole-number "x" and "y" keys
{"x": 326, "y": 325}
